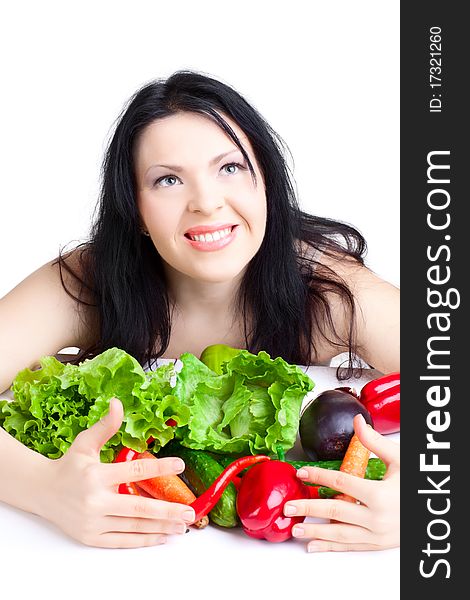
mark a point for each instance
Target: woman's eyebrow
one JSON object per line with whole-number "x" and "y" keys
{"x": 212, "y": 162}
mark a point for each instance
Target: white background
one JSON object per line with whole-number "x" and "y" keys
{"x": 324, "y": 74}
{"x": 326, "y": 77}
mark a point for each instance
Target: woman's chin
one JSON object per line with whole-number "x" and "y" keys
{"x": 223, "y": 275}
{"x": 227, "y": 269}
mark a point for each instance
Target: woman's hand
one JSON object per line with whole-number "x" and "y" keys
{"x": 82, "y": 497}
{"x": 372, "y": 525}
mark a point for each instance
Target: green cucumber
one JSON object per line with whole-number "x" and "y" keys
{"x": 375, "y": 467}
{"x": 375, "y": 470}
{"x": 200, "y": 472}
{"x": 224, "y": 459}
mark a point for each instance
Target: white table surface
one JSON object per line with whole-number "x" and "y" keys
{"x": 37, "y": 559}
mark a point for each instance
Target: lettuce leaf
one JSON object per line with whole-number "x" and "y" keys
{"x": 54, "y": 403}
{"x": 253, "y": 406}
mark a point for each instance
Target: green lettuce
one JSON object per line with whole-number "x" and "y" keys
{"x": 250, "y": 405}
{"x": 54, "y": 403}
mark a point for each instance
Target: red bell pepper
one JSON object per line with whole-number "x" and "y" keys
{"x": 206, "y": 501}
{"x": 381, "y": 397}
{"x": 264, "y": 490}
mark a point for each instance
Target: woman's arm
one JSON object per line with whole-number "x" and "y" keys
{"x": 79, "y": 494}
{"x": 37, "y": 318}
{"x": 21, "y": 491}
{"x": 76, "y": 492}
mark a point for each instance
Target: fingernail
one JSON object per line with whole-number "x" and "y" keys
{"x": 302, "y": 473}
{"x": 189, "y": 516}
{"x": 298, "y": 531}
{"x": 290, "y": 509}
{"x": 178, "y": 465}
{"x": 314, "y": 547}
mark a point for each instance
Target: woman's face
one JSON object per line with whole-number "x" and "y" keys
{"x": 197, "y": 198}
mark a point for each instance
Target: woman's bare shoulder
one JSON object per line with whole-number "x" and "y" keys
{"x": 39, "y": 317}
{"x": 376, "y": 310}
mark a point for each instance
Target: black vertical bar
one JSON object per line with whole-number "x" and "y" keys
{"x": 435, "y": 323}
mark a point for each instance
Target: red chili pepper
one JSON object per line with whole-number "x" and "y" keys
{"x": 260, "y": 501}
{"x": 381, "y": 397}
{"x": 237, "y": 481}
{"x": 206, "y": 501}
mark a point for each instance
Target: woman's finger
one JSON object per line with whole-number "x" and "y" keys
{"x": 339, "y": 481}
{"x": 139, "y": 469}
{"x": 128, "y": 540}
{"x": 335, "y": 510}
{"x": 326, "y": 546}
{"x": 343, "y": 533}
{"x": 122, "y": 505}
{"x": 136, "y": 525}
{"x": 385, "y": 449}
{"x": 91, "y": 440}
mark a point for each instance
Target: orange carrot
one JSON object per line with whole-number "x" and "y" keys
{"x": 170, "y": 488}
{"x": 355, "y": 462}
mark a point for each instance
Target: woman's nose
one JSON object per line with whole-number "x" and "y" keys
{"x": 206, "y": 199}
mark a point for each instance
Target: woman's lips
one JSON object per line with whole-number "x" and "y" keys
{"x": 220, "y": 237}
{"x": 203, "y": 229}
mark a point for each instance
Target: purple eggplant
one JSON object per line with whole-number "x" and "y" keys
{"x": 326, "y": 424}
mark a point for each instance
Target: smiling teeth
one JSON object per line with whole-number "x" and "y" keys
{"x": 211, "y": 237}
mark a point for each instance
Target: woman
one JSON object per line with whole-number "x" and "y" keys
{"x": 198, "y": 240}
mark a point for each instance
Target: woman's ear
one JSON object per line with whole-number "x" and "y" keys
{"x": 142, "y": 227}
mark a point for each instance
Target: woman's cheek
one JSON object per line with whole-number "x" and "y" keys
{"x": 162, "y": 226}
{"x": 257, "y": 215}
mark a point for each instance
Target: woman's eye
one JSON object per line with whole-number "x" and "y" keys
{"x": 167, "y": 181}
{"x": 232, "y": 168}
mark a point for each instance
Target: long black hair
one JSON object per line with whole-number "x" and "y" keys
{"x": 283, "y": 296}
